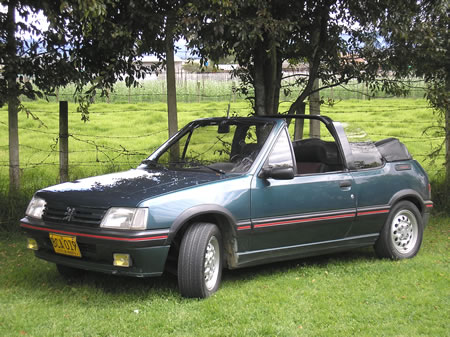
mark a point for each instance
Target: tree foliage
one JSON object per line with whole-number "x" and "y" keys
{"x": 93, "y": 44}
{"x": 381, "y": 43}
{"x": 338, "y": 40}
{"x": 418, "y": 43}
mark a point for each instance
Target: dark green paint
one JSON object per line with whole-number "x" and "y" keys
{"x": 283, "y": 218}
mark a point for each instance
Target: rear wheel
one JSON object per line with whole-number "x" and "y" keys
{"x": 402, "y": 234}
{"x": 200, "y": 261}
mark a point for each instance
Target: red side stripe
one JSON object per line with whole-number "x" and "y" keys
{"x": 350, "y": 215}
{"x": 148, "y": 238}
{"x": 244, "y": 227}
{"x": 429, "y": 205}
{"x": 373, "y": 212}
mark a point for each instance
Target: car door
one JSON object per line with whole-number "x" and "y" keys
{"x": 298, "y": 214}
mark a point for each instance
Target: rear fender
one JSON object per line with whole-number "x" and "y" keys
{"x": 409, "y": 195}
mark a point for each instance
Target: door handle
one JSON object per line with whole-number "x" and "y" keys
{"x": 345, "y": 184}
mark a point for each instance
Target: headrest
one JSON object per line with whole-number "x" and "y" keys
{"x": 310, "y": 150}
{"x": 316, "y": 150}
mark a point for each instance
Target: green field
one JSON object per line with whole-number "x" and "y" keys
{"x": 348, "y": 294}
{"x": 120, "y": 136}
{"x": 219, "y": 87}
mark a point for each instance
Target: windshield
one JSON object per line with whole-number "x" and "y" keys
{"x": 220, "y": 146}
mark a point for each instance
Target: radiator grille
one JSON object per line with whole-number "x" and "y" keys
{"x": 78, "y": 215}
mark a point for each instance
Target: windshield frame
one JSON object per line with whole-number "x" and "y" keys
{"x": 190, "y": 128}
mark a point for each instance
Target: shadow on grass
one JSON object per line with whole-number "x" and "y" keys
{"x": 322, "y": 261}
{"x": 113, "y": 285}
{"x": 43, "y": 277}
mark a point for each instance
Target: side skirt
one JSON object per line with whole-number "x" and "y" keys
{"x": 256, "y": 257}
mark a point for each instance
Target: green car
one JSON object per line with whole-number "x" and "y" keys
{"x": 236, "y": 192}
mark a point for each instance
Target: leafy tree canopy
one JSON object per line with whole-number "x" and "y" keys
{"x": 95, "y": 43}
{"x": 339, "y": 40}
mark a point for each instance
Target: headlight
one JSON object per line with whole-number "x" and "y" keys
{"x": 125, "y": 218}
{"x": 36, "y": 207}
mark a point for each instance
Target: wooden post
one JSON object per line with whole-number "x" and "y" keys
{"x": 447, "y": 145}
{"x": 63, "y": 141}
{"x": 203, "y": 86}
{"x": 233, "y": 88}
{"x": 171, "y": 92}
{"x": 171, "y": 89}
{"x": 10, "y": 75}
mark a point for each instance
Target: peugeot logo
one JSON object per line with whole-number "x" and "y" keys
{"x": 69, "y": 214}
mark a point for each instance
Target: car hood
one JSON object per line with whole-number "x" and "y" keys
{"x": 126, "y": 189}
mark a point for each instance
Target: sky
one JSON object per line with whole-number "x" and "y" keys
{"x": 41, "y": 22}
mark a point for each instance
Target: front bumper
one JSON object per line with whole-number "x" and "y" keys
{"x": 148, "y": 249}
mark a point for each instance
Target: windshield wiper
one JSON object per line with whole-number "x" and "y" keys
{"x": 212, "y": 168}
{"x": 198, "y": 165}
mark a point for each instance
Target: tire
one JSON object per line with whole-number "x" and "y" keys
{"x": 69, "y": 273}
{"x": 401, "y": 236}
{"x": 200, "y": 261}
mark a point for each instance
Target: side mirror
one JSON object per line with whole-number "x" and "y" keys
{"x": 278, "y": 173}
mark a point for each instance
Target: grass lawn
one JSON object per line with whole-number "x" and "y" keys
{"x": 348, "y": 294}
{"x": 119, "y": 136}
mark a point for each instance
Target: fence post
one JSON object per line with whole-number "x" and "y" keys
{"x": 63, "y": 141}
{"x": 198, "y": 91}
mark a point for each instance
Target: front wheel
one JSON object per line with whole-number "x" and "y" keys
{"x": 401, "y": 236}
{"x": 200, "y": 261}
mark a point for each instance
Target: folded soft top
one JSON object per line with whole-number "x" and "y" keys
{"x": 393, "y": 150}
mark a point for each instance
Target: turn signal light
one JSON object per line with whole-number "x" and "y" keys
{"x": 32, "y": 244}
{"x": 122, "y": 260}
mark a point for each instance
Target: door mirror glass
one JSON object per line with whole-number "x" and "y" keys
{"x": 280, "y": 164}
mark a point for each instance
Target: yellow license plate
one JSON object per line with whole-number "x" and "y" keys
{"x": 64, "y": 244}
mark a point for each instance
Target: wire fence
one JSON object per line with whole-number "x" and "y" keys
{"x": 98, "y": 151}
{"x": 206, "y": 87}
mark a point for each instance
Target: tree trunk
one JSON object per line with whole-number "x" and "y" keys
{"x": 260, "y": 88}
{"x": 270, "y": 73}
{"x": 314, "y": 109}
{"x": 277, "y": 84}
{"x": 171, "y": 90}
{"x": 13, "y": 99}
{"x": 318, "y": 42}
{"x": 267, "y": 78}
{"x": 299, "y": 123}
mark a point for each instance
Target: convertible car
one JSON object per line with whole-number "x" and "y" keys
{"x": 236, "y": 192}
